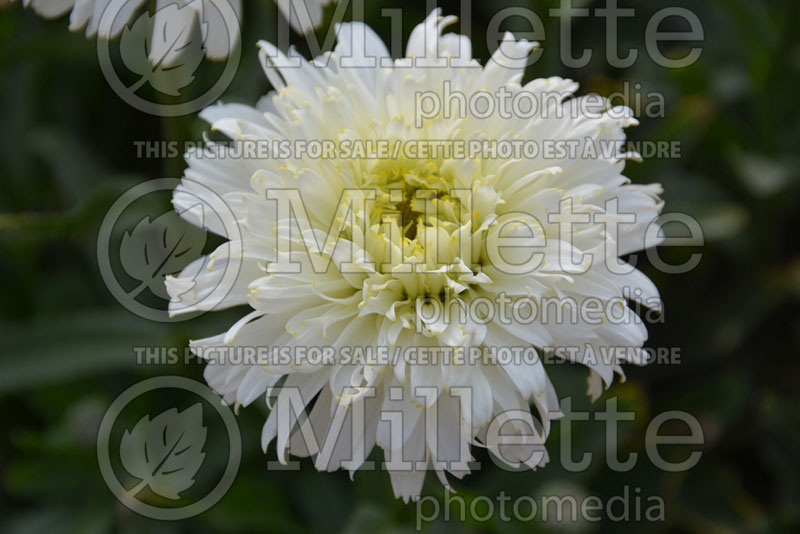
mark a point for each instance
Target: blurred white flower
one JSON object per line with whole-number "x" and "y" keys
{"x": 86, "y": 14}
{"x": 172, "y": 17}
{"x": 369, "y": 294}
{"x": 218, "y": 37}
{"x": 303, "y": 15}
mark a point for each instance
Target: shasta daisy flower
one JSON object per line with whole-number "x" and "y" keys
{"x": 173, "y": 19}
{"x": 88, "y": 14}
{"x": 307, "y": 13}
{"x": 383, "y": 241}
{"x": 84, "y": 14}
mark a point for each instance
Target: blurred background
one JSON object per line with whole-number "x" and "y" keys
{"x": 67, "y": 152}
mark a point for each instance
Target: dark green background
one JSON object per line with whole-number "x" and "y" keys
{"x": 66, "y": 152}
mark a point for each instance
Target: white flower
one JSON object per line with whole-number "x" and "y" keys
{"x": 307, "y": 13}
{"x": 85, "y": 13}
{"x": 172, "y": 18}
{"x": 88, "y": 13}
{"x": 215, "y": 29}
{"x": 367, "y": 296}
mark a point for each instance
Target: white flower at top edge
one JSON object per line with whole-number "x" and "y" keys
{"x": 177, "y": 15}
{"x": 308, "y": 13}
{"x": 377, "y": 301}
{"x": 88, "y": 14}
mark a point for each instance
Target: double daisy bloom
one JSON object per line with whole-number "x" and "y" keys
{"x": 342, "y": 252}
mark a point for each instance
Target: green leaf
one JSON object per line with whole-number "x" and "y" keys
{"x": 58, "y": 349}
